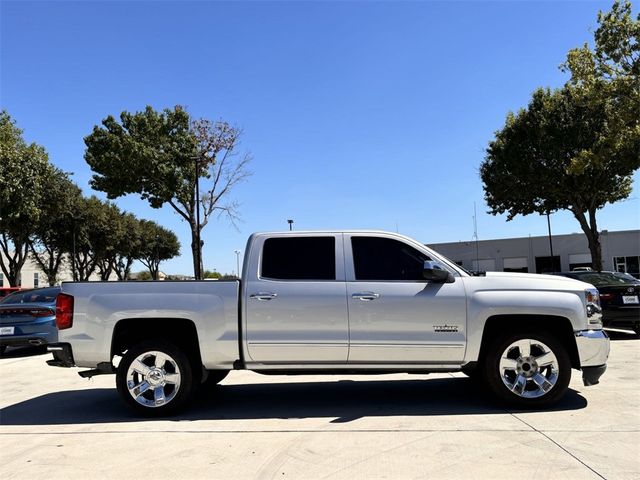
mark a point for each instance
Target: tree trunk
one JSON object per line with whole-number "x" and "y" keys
{"x": 153, "y": 265}
{"x": 85, "y": 266}
{"x": 49, "y": 261}
{"x": 196, "y": 254}
{"x": 15, "y": 261}
{"x": 105, "y": 267}
{"x": 122, "y": 268}
{"x": 590, "y": 229}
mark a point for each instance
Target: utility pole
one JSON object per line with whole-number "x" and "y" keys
{"x": 290, "y": 222}
{"x": 475, "y": 234}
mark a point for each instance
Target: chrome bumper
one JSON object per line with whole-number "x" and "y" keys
{"x": 593, "y": 350}
{"x": 593, "y": 347}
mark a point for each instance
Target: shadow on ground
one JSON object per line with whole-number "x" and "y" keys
{"x": 620, "y": 334}
{"x": 20, "y": 352}
{"x": 344, "y": 400}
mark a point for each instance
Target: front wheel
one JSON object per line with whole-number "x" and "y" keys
{"x": 530, "y": 370}
{"x": 155, "y": 378}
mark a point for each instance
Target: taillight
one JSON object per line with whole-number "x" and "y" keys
{"x": 64, "y": 311}
{"x": 606, "y": 296}
{"x": 40, "y": 312}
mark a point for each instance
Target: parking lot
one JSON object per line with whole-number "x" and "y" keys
{"x": 56, "y": 425}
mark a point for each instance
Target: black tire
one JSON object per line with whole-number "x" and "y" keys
{"x": 214, "y": 377}
{"x": 636, "y": 328}
{"x": 527, "y": 393}
{"x": 3, "y": 348}
{"x": 171, "y": 382}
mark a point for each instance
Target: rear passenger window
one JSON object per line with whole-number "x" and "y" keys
{"x": 299, "y": 258}
{"x": 376, "y": 258}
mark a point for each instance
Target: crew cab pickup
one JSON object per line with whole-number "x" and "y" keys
{"x": 334, "y": 303}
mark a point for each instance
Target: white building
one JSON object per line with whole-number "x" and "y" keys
{"x": 32, "y": 277}
{"x": 620, "y": 252}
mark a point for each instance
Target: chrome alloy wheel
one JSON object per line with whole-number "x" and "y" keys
{"x": 153, "y": 379}
{"x": 529, "y": 368}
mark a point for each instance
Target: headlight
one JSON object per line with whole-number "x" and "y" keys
{"x": 593, "y": 296}
{"x": 594, "y": 311}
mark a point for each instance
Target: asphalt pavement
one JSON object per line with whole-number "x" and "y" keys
{"x": 56, "y": 425}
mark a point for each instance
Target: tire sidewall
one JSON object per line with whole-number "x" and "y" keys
{"x": 185, "y": 389}
{"x": 491, "y": 370}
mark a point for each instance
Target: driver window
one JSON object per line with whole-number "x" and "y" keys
{"x": 378, "y": 258}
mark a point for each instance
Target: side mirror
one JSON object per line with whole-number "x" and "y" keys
{"x": 433, "y": 272}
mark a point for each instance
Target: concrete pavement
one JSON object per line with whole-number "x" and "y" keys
{"x": 55, "y": 425}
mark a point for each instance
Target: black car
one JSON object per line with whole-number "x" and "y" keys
{"x": 619, "y": 297}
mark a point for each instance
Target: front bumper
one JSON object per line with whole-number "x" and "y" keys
{"x": 593, "y": 351}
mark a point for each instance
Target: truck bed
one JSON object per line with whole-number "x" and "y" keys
{"x": 103, "y": 307}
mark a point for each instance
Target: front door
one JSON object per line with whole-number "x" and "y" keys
{"x": 395, "y": 315}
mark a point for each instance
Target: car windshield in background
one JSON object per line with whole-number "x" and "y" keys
{"x": 604, "y": 278}
{"x": 41, "y": 295}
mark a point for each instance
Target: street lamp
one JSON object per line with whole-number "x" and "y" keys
{"x": 237, "y": 252}
{"x": 553, "y": 264}
{"x": 198, "y": 273}
{"x": 290, "y": 222}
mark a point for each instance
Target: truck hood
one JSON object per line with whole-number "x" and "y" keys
{"x": 528, "y": 281}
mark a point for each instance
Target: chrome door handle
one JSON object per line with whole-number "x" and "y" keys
{"x": 263, "y": 295}
{"x": 365, "y": 296}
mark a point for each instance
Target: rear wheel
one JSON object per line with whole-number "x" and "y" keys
{"x": 530, "y": 370}
{"x": 155, "y": 378}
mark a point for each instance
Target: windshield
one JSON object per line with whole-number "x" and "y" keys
{"x": 41, "y": 295}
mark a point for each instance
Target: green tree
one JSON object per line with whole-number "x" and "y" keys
{"x": 92, "y": 238}
{"x": 157, "y": 244}
{"x": 129, "y": 247}
{"x": 162, "y": 156}
{"x": 143, "y": 276}
{"x": 24, "y": 174}
{"x": 574, "y": 148}
{"x": 109, "y": 236}
{"x": 51, "y": 237}
{"x": 211, "y": 274}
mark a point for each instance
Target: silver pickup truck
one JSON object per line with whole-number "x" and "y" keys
{"x": 334, "y": 303}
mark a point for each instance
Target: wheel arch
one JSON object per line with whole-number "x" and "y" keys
{"x": 560, "y": 327}
{"x": 180, "y": 332}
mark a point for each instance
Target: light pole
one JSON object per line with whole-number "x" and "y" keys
{"x": 237, "y": 252}
{"x": 157, "y": 269}
{"x": 290, "y": 222}
{"x": 553, "y": 264}
{"x": 73, "y": 255}
{"x": 198, "y": 273}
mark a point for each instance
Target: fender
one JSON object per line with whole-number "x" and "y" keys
{"x": 483, "y": 304}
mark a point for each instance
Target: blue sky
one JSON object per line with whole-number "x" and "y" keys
{"x": 358, "y": 114}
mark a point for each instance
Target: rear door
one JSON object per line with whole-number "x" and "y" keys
{"x": 295, "y": 300}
